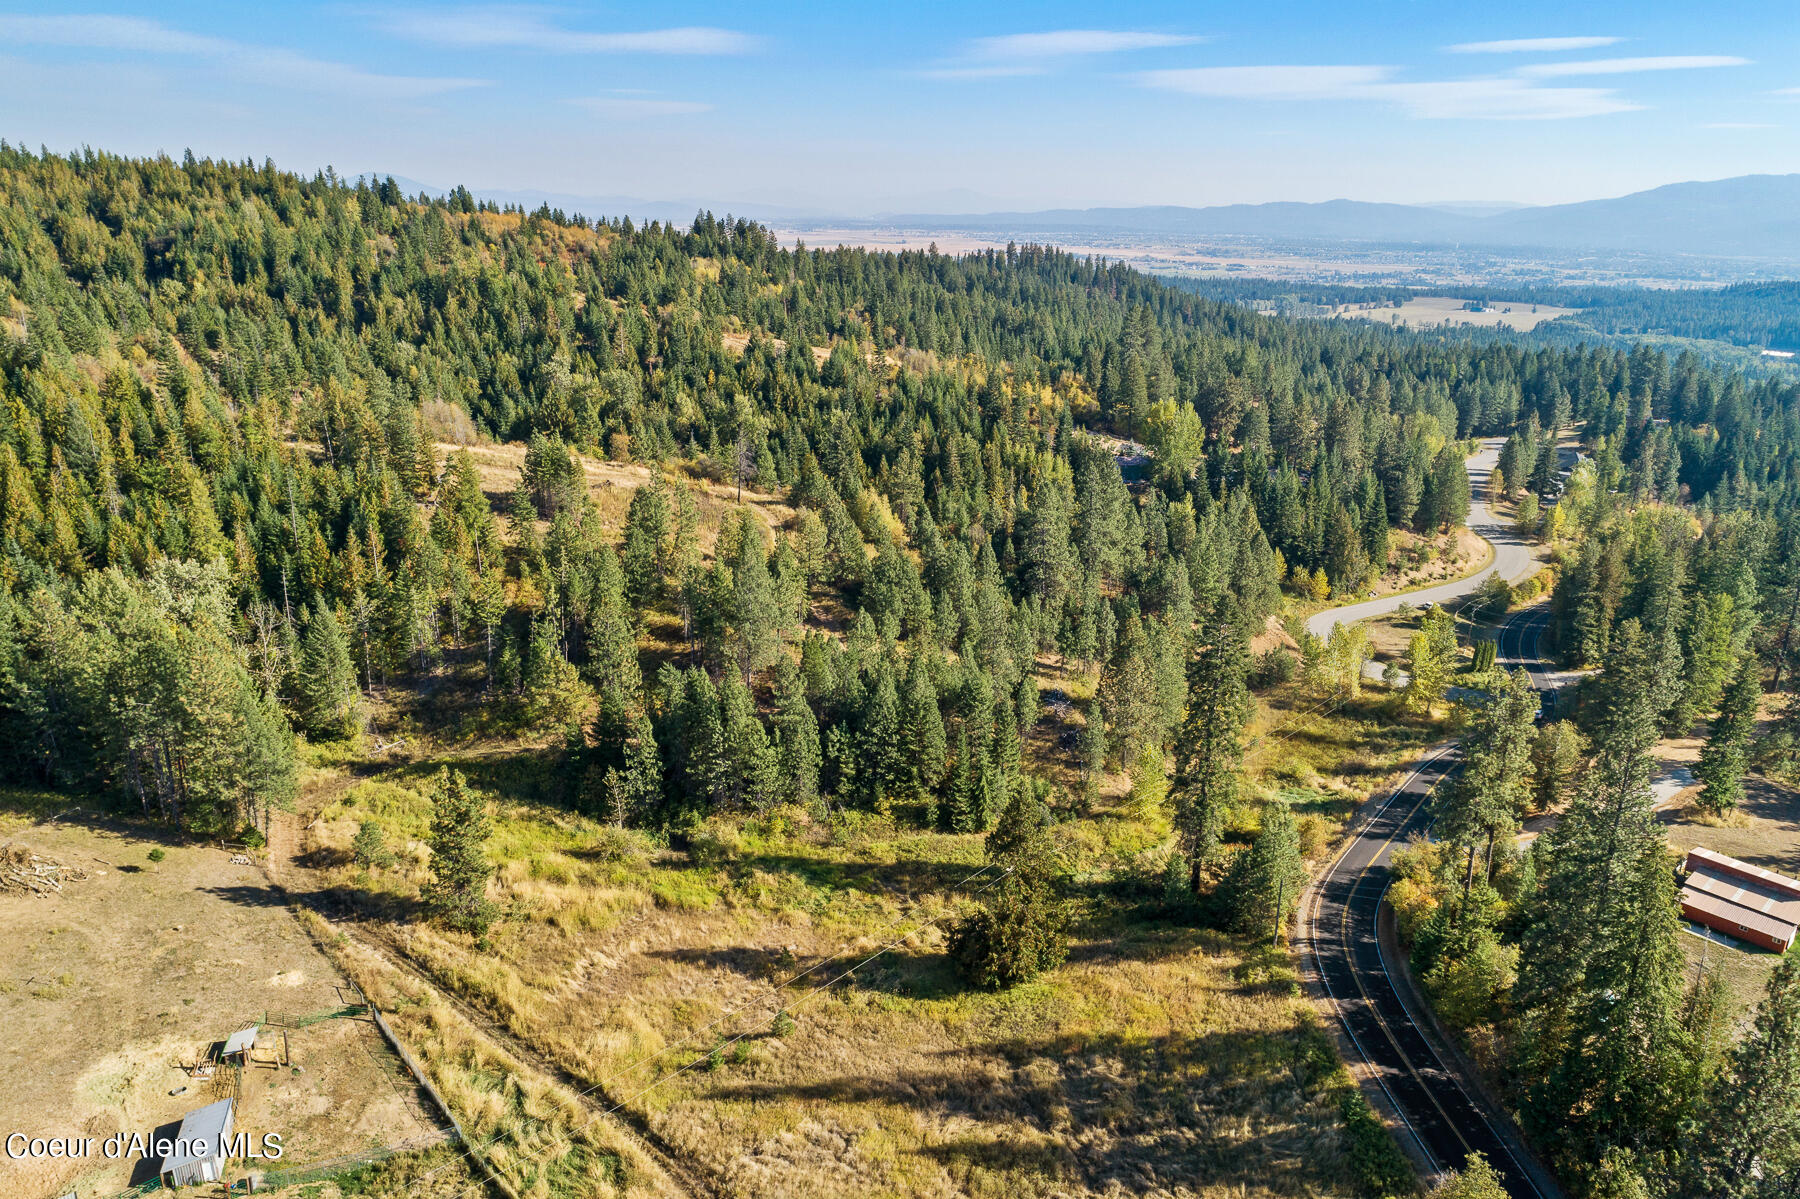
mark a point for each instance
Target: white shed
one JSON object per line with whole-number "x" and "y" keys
{"x": 199, "y": 1151}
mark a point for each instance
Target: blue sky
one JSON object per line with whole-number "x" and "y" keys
{"x": 854, "y": 108}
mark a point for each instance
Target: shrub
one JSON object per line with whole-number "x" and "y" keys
{"x": 614, "y": 845}
{"x": 369, "y": 848}
{"x": 156, "y": 855}
{"x": 1314, "y": 834}
{"x": 1381, "y": 1170}
{"x": 714, "y": 843}
{"x": 1273, "y": 667}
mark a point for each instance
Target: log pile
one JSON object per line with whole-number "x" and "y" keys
{"x": 23, "y": 870}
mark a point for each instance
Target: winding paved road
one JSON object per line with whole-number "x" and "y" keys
{"x": 1443, "y": 1113}
{"x": 1513, "y": 556}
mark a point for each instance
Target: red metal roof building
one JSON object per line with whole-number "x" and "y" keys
{"x": 1741, "y": 900}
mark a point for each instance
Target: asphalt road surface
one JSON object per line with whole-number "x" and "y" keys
{"x": 1512, "y": 555}
{"x": 1442, "y": 1116}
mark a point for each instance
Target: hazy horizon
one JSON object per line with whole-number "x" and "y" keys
{"x": 930, "y": 109}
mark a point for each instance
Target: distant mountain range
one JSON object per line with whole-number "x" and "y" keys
{"x": 1751, "y": 216}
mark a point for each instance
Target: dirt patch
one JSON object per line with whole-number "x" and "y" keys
{"x": 113, "y": 990}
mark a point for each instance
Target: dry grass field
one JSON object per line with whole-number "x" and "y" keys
{"x": 1160, "y": 1059}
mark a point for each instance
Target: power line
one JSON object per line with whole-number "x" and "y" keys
{"x": 776, "y": 989}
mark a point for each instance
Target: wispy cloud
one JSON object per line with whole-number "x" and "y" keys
{"x": 1533, "y": 45}
{"x": 1738, "y": 125}
{"x": 530, "y": 29}
{"x": 638, "y": 106}
{"x": 1269, "y": 83}
{"x": 1631, "y": 66}
{"x": 1015, "y": 54}
{"x": 998, "y": 70}
{"x": 267, "y": 65}
{"x": 1491, "y": 98}
{"x": 1063, "y": 43}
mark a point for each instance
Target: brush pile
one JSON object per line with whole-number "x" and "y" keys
{"x": 23, "y": 870}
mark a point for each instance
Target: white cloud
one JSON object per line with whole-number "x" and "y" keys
{"x": 1018, "y": 54}
{"x": 1063, "y": 43}
{"x": 1631, "y": 66}
{"x": 1786, "y": 91}
{"x": 1501, "y": 100}
{"x": 1532, "y": 45}
{"x": 264, "y": 64}
{"x": 526, "y": 29}
{"x": 1269, "y": 83}
{"x": 1485, "y": 98}
{"x": 637, "y": 106}
{"x": 1009, "y": 70}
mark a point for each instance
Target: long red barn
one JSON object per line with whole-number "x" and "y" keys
{"x": 1741, "y": 900}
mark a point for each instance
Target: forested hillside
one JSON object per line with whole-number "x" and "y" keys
{"x": 777, "y": 529}
{"x": 261, "y": 376}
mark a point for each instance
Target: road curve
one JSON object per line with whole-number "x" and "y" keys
{"x": 1441, "y": 1113}
{"x": 1512, "y": 555}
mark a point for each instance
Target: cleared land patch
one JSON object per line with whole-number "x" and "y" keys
{"x": 1426, "y": 312}
{"x": 109, "y": 987}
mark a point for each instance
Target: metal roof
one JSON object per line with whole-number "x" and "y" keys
{"x": 201, "y": 1129}
{"x": 1745, "y": 918}
{"x": 1745, "y": 894}
{"x": 1699, "y": 858}
{"x": 241, "y": 1041}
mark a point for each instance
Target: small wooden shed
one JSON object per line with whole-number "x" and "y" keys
{"x": 198, "y": 1154}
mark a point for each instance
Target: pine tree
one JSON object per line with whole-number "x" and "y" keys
{"x": 456, "y": 896}
{"x": 634, "y": 788}
{"x": 1265, "y": 880}
{"x": 1020, "y": 933}
{"x": 754, "y": 616}
{"x": 1599, "y": 990}
{"x": 645, "y": 557}
{"x": 1209, "y": 747}
{"x": 749, "y": 777}
{"x": 1555, "y": 754}
{"x": 326, "y": 680}
{"x": 922, "y": 731}
{"x": 690, "y": 738}
{"x": 881, "y": 767}
{"x": 1747, "y": 1144}
{"x": 1128, "y": 696}
{"x": 369, "y": 847}
{"x": 964, "y": 811}
{"x": 1726, "y": 754}
{"x": 796, "y": 739}
{"x": 1492, "y": 794}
